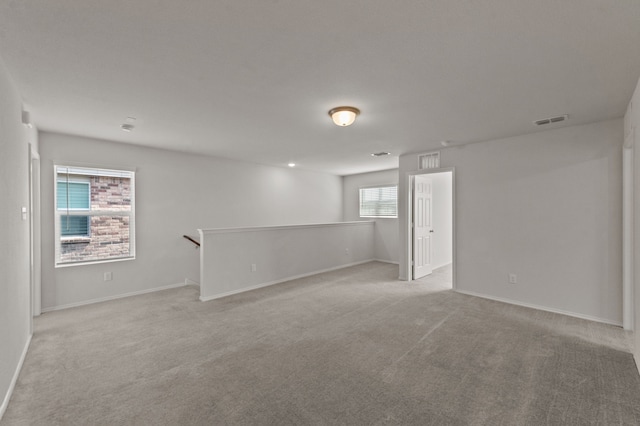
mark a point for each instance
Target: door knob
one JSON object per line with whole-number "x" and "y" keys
{"x": 431, "y": 230}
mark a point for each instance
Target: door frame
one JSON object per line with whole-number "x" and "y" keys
{"x": 408, "y": 231}
{"x": 35, "y": 261}
{"x": 628, "y": 152}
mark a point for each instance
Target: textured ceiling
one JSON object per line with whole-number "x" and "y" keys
{"x": 253, "y": 80}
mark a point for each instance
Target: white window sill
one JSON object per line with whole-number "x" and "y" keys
{"x": 92, "y": 262}
{"x": 71, "y": 240}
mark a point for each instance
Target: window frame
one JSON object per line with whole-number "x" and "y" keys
{"x": 382, "y": 186}
{"x": 83, "y": 169}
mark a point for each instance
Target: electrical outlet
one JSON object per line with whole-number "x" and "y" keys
{"x": 513, "y": 279}
{"x": 108, "y": 276}
{"x": 253, "y": 267}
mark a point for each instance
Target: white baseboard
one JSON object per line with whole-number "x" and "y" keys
{"x": 635, "y": 358}
{"x": 395, "y": 262}
{"x": 442, "y": 265}
{"x": 14, "y": 380}
{"x": 540, "y": 308}
{"x": 267, "y": 284}
{"x": 117, "y": 296}
{"x": 187, "y": 281}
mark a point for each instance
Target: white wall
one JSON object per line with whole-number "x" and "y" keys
{"x": 546, "y": 206}
{"x": 442, "y": 238}
{"x": 14, "y": 235}
{"x": 386, "y": 230}
{"x": 282, "y": 253}
{"x": 176, "y": 194}
{"x": 632, "y": 124}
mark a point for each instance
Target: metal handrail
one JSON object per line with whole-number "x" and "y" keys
{"x": 192, "y": 240}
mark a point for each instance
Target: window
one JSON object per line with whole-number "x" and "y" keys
{"x": 380, "y": 201}
{"x": 94, "y": 215}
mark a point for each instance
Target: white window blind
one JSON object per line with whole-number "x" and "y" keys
{"x": 380, "y": 201}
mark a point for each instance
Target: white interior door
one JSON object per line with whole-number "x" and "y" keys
{"x": 422, "y": 226}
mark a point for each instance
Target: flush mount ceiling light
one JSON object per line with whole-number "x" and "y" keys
{"x": 344, "y": 115}
{"x": 291, "y": 164}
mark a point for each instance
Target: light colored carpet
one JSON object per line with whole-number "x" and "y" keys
{"x": 353, "y": 346}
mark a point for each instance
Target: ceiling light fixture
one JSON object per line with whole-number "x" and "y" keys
{"x": 291, "y": 164}
{"x": 344, "y": 116}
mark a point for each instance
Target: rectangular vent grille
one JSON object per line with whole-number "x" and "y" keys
{"x": 430, "y": 160}
{"x": 550, "y": 120}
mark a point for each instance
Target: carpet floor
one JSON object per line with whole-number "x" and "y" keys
{"x": 353, "y": 347}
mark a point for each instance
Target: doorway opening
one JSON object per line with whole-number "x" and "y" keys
{"x": 432, "y": 227}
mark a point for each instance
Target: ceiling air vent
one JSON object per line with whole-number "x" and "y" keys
{"x": 380, "y": 154}
{"x": 430, "y": 160}
{"x": 550, "y": 120}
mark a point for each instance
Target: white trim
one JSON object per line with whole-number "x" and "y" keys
{"x": 280, "y": 227}
{"x": 540, "y": 308}
{"x": 201, "y": 266}
{"x": 635, "y": 358}
{"x": 627, "y": 232}
{"x": 382, "y": 185}
{"x": 93, "y": 262}
{"x": 395, "y": 262}
{"x": 14, "y": 380}
{"x": 282, "y": 280}
{"x": 93, "y": 171}
{"x": 107, "y": 298}
{"x": 434, "y": 267}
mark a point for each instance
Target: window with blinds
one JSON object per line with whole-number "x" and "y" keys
{"x": 379, "y": 201}
{"x": 73, "y": 194}
{"x": 94, "y": 215}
